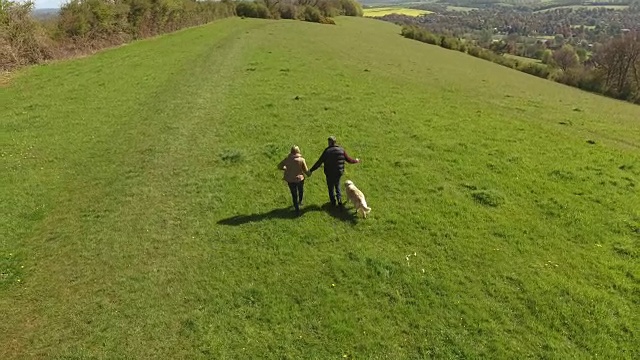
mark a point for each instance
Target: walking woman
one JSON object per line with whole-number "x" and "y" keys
{"x": 295, "y": 168}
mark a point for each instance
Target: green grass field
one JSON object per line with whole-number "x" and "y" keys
{"x": 143, "y": 215}
{"x": 382, "y": 11}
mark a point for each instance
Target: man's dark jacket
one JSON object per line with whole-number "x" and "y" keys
{"x": 333, "y": 158}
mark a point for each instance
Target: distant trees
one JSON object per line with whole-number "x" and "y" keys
{"x": 499, "y": 47}
{"x": 547, "y": 57}
{"x": 618, "y": 63}
{"x": 561, "y": 26}
{"x": 565, "y": 57}
{"x": 582, "y": 55}
{"x": 307, "y": 10}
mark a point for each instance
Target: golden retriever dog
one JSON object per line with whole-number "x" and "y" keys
{"x": 357, "y": 198}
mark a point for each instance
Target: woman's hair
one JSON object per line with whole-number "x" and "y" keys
{"x": 295, "y": 149}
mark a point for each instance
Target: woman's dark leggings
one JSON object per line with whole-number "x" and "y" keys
{"x": 297, "y": 190}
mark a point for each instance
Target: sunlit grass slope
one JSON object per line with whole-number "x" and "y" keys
{"x": 142, "y": 214}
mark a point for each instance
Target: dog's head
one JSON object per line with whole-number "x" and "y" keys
{"x": 348, "y": 183}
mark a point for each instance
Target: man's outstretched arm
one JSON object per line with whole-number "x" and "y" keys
{"x": 350, "y": 160}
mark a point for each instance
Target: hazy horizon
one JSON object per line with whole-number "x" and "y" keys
{"x": 48, "y": 4}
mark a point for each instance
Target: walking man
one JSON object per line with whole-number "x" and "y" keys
{"x": 333, "y": 158}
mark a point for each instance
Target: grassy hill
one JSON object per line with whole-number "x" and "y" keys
{"x": 143, "y": 215}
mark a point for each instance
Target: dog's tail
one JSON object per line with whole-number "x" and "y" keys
{"x": 365, "y": 207}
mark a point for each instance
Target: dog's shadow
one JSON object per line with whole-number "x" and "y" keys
{"x": 288, "y": 213}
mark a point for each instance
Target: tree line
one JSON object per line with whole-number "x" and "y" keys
{"x": 85, "y": 25}
{"x": 612, "y": 70}
{"x": 590, "y": 24}
{"x": 320, "y": 11}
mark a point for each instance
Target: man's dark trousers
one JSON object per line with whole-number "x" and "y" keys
{"x": 333, "y": 184}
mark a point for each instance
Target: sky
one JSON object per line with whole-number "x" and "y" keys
{"x": 44, "y": 4}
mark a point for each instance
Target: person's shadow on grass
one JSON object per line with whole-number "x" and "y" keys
{"x": 288, "y": 213}
{"x": 342, "y": 214}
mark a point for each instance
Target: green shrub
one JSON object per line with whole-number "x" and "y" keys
{"x": 288, "y": 11}
{"x": 22, "y": 40}
{"x": 428, "y": 38}
{"x": 329, "y": 8}
{"x": 246, "y": 9}
{"x": 262, "y": 11}
{"x": 327, "y": 21}
{"x": 580, "y": 78}
{"x": 311, "y": 14}
{"x": 254, "y": 9}
{"x": 351, "y": 8}
{"x": 93, "y": 19}
{"x": 539, "y": 70}
{"x": 474, "y": 50}
{"x": 450, "y": 43}
{"x": 422, "y": 35}
{"x": 504, "y": 61}
{"x": 408, "y": 32}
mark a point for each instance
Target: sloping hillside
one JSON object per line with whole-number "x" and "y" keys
{"x": 143, "y": 215}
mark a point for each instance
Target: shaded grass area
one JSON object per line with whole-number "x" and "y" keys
{"x": 145, "y": 216}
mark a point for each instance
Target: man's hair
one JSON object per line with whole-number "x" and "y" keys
{"x": 332, "y": 139}
{"x": 295, "y": 149}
